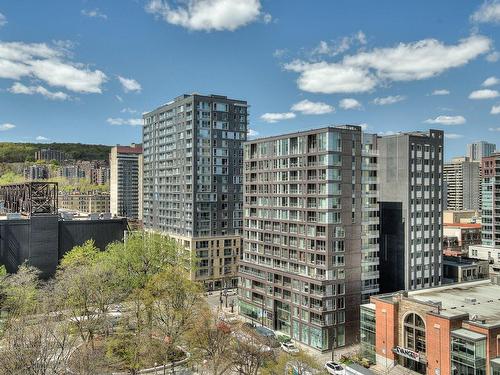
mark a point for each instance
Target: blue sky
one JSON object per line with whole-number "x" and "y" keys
{"x": 84, "y": 71}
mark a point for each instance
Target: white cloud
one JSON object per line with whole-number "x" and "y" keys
{"x": 441, "y": 92}
{"x": 328, "y": 78}
{"x": 494, "y": 129}
{"x": 280, "y": 52}
{"x": 122, "y": 121}
{"x": 41, "y": 138}
{"x": 340, "y": 45}
{"x": 495, "y": 110}
{"x": 483, "y": 94}
{"x": 493, "y": 57}
{"x": 453, "y": 136}
{"x": 6, "y": 126}
{"x": 364, "y": 126}
{"x": 19, "y": 88}
{"x": 389, "y": 100}
{"x": 350, "y": 103}
{"x": 3, "y": 20}
{"x": 405, "y": 62}
{"x": 312, "y": 108}
{"x": 491, "y": 81}
{"x": 94, "y": 13}
{"x": 252, "y": 133}
{"x": 489, "y": 12}
{"x": 388, "y": 132}
{"x": 49, "y": 64}
{"x": 208, "y": 15}
{"x": 119, "y": 98}
{"x": 447, "y": 120}
{"x": 275, "y": 117}
{"x": 267, "y": 18}
{"x": 128, "y": 110}
{"x": 130, "y": 84}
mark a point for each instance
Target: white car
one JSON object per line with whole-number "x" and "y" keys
{"x": 289, "y": 348}
{"x": 334, "y": 368}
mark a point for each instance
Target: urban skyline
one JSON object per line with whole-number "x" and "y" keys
{"x": 303, "y": 69}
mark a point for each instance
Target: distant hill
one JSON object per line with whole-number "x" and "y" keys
{"x": 11, "y": 152}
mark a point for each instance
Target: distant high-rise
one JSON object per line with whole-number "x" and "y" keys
{"x": 310, "y": 253}
{"x": 478, "y": 150}
{"x": 126, "y": 181}
{"x": 49, "y": 155}
{"x": 193, "y": 159}
{"x": 411, "y": 205}
{"x": 463, "y": 182}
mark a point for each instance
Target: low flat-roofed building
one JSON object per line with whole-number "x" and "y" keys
{"x": 459, "y": 269}
{"x": 457, "y": 237}
{"x": 452, "y": 329}
{"x": 463, "y": 216}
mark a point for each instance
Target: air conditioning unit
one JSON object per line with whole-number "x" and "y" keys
{"x": 470, "y": 300}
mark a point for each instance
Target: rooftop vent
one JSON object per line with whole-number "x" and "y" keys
{"x": 470, "y": 300}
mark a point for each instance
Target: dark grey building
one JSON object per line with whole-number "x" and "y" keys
{"x": 411, "y": 205}
{"x": 309, "y": 242}
{"x": 192, "y": 188}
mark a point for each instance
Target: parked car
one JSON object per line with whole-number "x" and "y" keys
{"x": 289, "y": 348}
{"x": 334, "y": 368}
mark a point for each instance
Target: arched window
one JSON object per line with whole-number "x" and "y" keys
{"x": 414, "y": 332}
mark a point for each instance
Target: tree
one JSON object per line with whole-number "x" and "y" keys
{"x": 211, "y": 342}
{"x": 21, "y": 292}
{"x": 301, "y": 364}
{"x": 249, "y": 353}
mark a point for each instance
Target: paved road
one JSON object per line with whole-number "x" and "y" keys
{"x": 214, "y": 300}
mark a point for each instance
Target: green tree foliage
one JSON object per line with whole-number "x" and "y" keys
{"x": 20, "y": 152}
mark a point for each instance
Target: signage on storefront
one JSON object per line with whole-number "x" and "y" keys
{"x": 408, "y": 353}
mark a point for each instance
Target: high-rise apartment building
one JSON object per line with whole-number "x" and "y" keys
{"x": 310, "y": 254}
{"x": 463, "y": 181}
{"x": 49, "y": 155}
{"x": 478, "y": 150}
{"x": 126, "y": 181}
{"x": 193, "y": 158}
{"x": 411, "y": 205}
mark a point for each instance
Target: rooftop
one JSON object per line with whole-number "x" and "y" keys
{"x": 480, "y": 298}
{"x": 463, "y": 225}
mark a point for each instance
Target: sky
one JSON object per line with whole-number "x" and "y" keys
{"x": 85, "y": 70}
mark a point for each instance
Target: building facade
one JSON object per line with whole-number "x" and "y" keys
{"x": 49, "y": 155}
{"x": 478, "y": 150}
{"x": 36, "y": 172}
{"x": 193, "y": 159}
{"x": 450, "y": 330}
{"x": 309, "y": 243}
{"x": 463, "y": 182}
{"x": 411, "y": 206}
{"x": 458, "y": 237}
{"x": 126, "y": 181}
{"x": 85, "y": 202}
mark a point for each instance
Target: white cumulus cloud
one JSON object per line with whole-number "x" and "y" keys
{"x": 130, "y": 84}
{"x": 483, "y": 94}
{"x": 208, "y": 15}
{"x": 340, "y": 45}
{"x": 488, "y": 12}
{"x": 364, "y": 71}
{"x": 441, "y": 92}
{"x": 494, "y": 129}
{"x": 275, "y": 117}
{"x": 312, "y": 108}
{"x": 350, "y": 103}
{"x": 453, "y": 136}
{"x": 6, "y": 126}
{"x": 495, "y": 110}
{"x": 50, "y": 64}
{"x": 19, "y": 88}
{"x": 447, "y": 120}
{"x": 490, "y": 81}
{"x": 389, "y": 100}
{"x": 122, "y": 121}
{"x": 41, "y": 138}
{"x": 3, "y": 20}
{"x": 493, "y": 57}
{"x": 94, "y": 13}
{"x": 251, "y": 133}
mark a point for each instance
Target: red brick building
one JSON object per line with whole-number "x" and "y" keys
{"x": 447, "y": 330}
